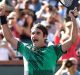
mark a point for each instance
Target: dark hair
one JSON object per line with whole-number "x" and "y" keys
{"x": 32, "y": 14}
{"x": 27, "y": 2}
{"x": 41, "y": 27}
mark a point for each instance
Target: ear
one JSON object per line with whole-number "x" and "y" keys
{"x": 45, "y": 37}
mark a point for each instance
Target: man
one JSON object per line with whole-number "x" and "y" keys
{"x": 41, "y": 58}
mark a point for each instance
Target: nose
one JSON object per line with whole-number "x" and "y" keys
{"x": 34, "y": 35}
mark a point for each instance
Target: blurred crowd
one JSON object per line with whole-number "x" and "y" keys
{"x": 23, "y": 14}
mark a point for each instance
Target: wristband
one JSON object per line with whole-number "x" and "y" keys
{"x": 3, "y": 20}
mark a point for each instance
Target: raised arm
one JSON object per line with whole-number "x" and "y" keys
{"x": 74, "y": 33}
{"x": 6, "y": 30}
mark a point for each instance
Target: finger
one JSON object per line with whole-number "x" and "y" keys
{"x": 70, "y": 12}
{"x": 75, "y": 8}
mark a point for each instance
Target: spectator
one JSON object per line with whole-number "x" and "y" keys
{"x": 27, "y": 3}
{"x": 6, "y": 51}
{"x": 45, "y": 11}
{"x": 51, "y": 2}
{"x": 25, "y": 30}
{"x": 35, "y": 5}
{"x": 12, "y": 20}
{"x": 62, "y": 10}
{"x": 20, "y": 4}
{"x": 69, "y": 67}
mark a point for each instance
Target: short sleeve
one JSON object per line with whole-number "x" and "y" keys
{"x": 24, "y": 50}
{"x": 58, "y": 50}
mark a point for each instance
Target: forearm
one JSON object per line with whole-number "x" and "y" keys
{"x": 8, "y": 35}
{"x": 7, "y": 32}
{"x": 75, "y": 29}
{"x": 73, "y": 14}
{"x": 73, "y": 34}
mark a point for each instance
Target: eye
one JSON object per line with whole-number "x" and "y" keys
{"x": 38, "y": 33}
{"x": 33, "y": 33}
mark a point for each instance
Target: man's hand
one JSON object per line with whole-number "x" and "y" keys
{"x": 2, "y": 8}
{"x": 73, "y": 12}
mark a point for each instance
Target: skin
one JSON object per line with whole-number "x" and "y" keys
{"x": 37, "y": 38}
{"x": 65, "y": 45}
{"x": 71, "y": 70}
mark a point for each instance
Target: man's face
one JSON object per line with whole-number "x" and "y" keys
{"x": 37, "y": 38}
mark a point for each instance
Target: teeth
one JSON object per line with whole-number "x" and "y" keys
{"x": 35, "y": 40}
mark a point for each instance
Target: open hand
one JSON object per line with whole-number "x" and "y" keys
{"x": 73, "y": 12}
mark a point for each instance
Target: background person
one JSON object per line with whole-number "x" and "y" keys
{"x": 69, "y": 67}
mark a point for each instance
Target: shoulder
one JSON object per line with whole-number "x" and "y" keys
{"x": 55, "y": 47}
{"x": 23, "y": 45}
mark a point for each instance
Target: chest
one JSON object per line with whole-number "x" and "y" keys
{"x": 43, "y": 59}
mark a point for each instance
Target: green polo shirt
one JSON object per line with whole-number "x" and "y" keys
{"x": 41, "y": 61}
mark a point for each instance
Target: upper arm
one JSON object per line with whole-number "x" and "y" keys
{"x": 66, "y": 45}
{"x": 14, "y": 42}
{"x": 58, "y": 50}
{"x": 25, "y": 50}
{"x": 74, "y": 25}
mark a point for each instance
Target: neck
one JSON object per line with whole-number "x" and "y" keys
{"x": 41, "y": 46}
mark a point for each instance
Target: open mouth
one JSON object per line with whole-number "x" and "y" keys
{"x": 35, "y": 40}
